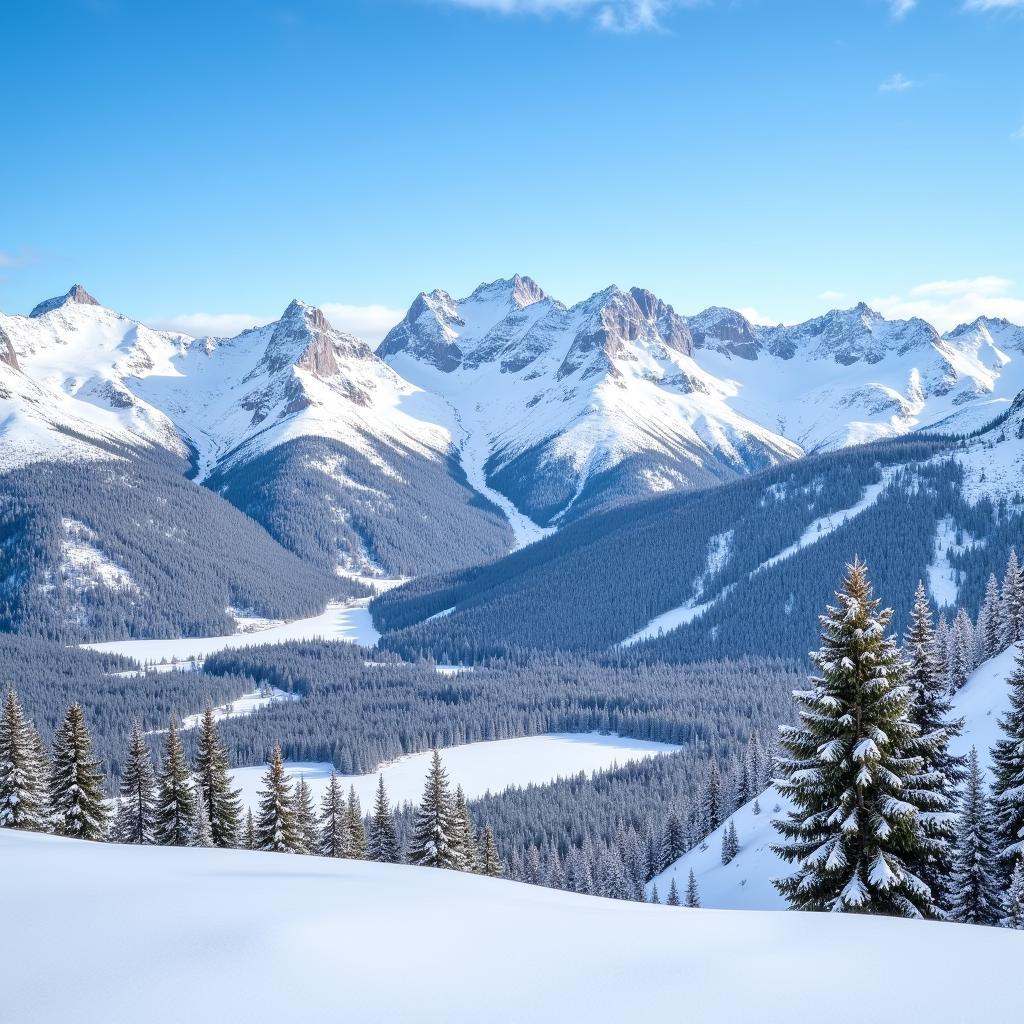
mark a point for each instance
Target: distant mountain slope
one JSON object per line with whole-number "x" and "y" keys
{"x": 566, "y": 410}
{"x": 129, "y": 548}
{"x": 852, "y": 376}
{"x": 739, "y": 569}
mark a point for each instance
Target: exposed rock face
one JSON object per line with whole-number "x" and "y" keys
{"x": 77, "y": 294}
{"x": 7, "y": 353}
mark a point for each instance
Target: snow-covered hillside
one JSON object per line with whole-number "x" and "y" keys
{"x": 745, "y": 883}
{"x": 99, "y": 934}
{"x": 852, "y": 376}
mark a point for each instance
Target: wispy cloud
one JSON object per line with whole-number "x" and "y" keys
{"x": 993, "y": 5}
{"x": 216, "y": 325}
{"x": 610, "y": 15}
{"x": 370, "y": 322}
{"x": 832, "y": 296}
{"x": 1018, "y": 135}
{"x": 946, "y": 304}
{"x": 899, "y": 8}
{"x": 896, "y": 83}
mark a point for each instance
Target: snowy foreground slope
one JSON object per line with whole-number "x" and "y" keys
{"x": 745, "y": 882}
{"x": 101, "y": 934}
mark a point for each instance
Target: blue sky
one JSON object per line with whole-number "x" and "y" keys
{"x": 201, "y": 164}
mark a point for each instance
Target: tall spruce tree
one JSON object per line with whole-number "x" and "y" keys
{"x": 434, "y": 840}
{"x": 212, "y": 774}
{"x": 490, "y": 861}
{"x": 730, "y": 843}
{"x": 77, "y": 799}
{"x": 382, "y": 841}
{"x": 1015, "y": 897}
{"x": 931, "y": 712}
{"x": 692, "y": 892}
{"x": 673, "y": 841}
{"x": 334, "y": 833}
{"x": 356, "y": 829}
{"x": 1008, "y": 769}
{"x": 305, "y": 817}
{"x": 673, "y": 893}
{"x": 276, "y": 828}
{"x": 23, "y": 795}
{"x": 974, "y": 883}
{"x": 175, "y": 802}
{"x": 465, "y": 832}
{"x": 202, "y": 834}
{"x": 136, "y": 819}
{"x": 249, "y": 831}
{"x": 854, "y": 771}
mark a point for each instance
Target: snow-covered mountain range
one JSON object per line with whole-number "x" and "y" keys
{"x": 528, "y": 413}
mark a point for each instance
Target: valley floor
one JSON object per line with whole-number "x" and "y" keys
{"x": 339, "y": 621}
{"x": 101, "y": 934}
{"x": 492, "y": 766}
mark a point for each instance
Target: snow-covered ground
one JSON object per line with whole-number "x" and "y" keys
{"x": 211, "y": 936}
{"x": 351, "y": 622}
{"x": 239, "y": 708}
{"x": 478, "y": 767}
{"x": 745, "y": 883}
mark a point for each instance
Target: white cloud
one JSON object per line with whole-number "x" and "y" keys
{"x": 370, "y": 323}
{"x": 896, "y": 83}
{"x": 217, "y": 325}
{"x": 901, "y": 7}
{"x": 993, "y": 5}
{"x": 611, "y": 15}
{"x": 946, "y": 304}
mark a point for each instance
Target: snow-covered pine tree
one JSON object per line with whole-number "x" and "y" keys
{"x": 673, "y": 841}
{"x": 23, "y": 795}
{"x": 990, "y": 620}
{"x": 175, "y": 803}
{"x": 730, "y": 843}
{"x": 334, "y": 834}
{"x": 712, "y": 797}
{"x": 381, "y": 839}
{"x": 974, "y": 884}
{"x": 655, "y": 898}
{"x": 1013, "y": 600}
{"x": 1008, "y": 772}
{"x": 1015, "y": 897}
{"x": 854, "y": 771}
{"x": 136, "y": 819}
{"x": 249, "y": 831}
{"x": 490, "y": 861}
{"x": 305, "y": 817}
{"x": 356, "y": 829}
{"x": 433, "y": 842}
{"x": 202, "y": 834}
{"x": 931, "y": 711}
{"x": 962, "y": 655}
{"x": 276, "y": 829}
{"x": 77, "y": 800}
{"x": 673, "y": 894}
{"x": 223, "y": 806}
{"x": 692, "y": 892}
{"x": 465, "y": 832}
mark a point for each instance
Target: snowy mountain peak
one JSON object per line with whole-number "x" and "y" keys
{"x": 77, "y": 295}
{"x": 726, "y": 331}
{"x": 517, "y": 291}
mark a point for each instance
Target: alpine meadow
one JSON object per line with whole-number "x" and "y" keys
{"x": 512, "y": 510}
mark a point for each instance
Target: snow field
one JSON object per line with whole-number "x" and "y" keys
{"x": 491, "y": 766}
{"x": 173, "y": 934}
{"x": 351, "y": 622}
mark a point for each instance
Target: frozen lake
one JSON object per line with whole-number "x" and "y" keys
{"x": 491, "y": 766}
